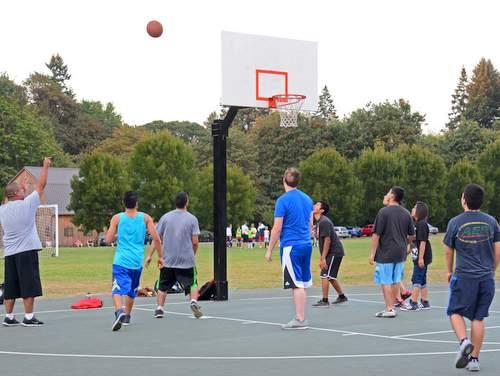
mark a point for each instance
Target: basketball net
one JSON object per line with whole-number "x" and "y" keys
{"x": 288, "y": 105}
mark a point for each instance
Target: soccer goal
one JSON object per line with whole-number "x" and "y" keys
{"x": 47, "y": 225}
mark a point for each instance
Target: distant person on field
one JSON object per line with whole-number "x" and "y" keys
{"x": 474, "y": 237}
{"x": 331, "y": 254}
{"x": 22, "y": 244}
{"x": 244, "y": 233}
{"x": 393, "y": 228}
{"x": 178, "y": 230}
{"x": 130, "y": 227}
{"x": 293, "y": 218}
{"x": 266, "y": 236}
{"x": 252, "y": 236}
{"x": 422, "y": 258}
{"x": 229, "y": 235}
{"x": 238, "y": 236}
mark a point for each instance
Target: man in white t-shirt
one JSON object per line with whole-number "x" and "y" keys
{"x": 22, "y": 274}
{"x": 229, "y": 235}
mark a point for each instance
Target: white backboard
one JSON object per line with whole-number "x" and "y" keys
{"x": 254, "y": 68}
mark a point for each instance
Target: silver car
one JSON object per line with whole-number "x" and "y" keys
{"x": 342, "y": 232}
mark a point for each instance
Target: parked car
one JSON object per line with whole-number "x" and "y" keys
{"x": 206, "y": 236}
{"x": 432, "y": 229}
{"x": 367, "y": 230}
{"x": 354, "y": 231}
{"x": 148, "y": 239}
{"x": 342, "y": 232}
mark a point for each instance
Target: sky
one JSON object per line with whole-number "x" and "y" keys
{"x": 369, "y": 51}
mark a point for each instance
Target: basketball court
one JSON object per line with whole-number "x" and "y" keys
{"x": 243, "y": 336}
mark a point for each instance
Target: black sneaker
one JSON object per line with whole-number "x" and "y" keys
{"x": 159, "y": 313}
{"x": 321, "y": 304}
{"x": 10, "y": 322}
{"x": 195, "y": 307}
{"x": 126, "y": 320}
{"x": 33, "y": 322}
{"x": 340, "y": 300}
{"x": 424, "y": 304}
{"x": 117, "y": 324}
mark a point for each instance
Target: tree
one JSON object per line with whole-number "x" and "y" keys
{"x": 160, "y": 166}
{"x": 188, "y": 131}
{"x": 390, "y": 124}
{"x": 122, "y": 141}
{"x": 97, "y": 191}
{"x": 489, "y": 166}
{"x": 484, "y": 94}
{"x": 240, "y": 197}
{"x": 458, "y": 101}
{"x": 105, "y": 115}
{"x": 328, "y": 176}
{"x": 378, "y": 171}
{"x": 461, "y": 173}
{"x": 424, "y": 179}
{"x": 60, "y": 73}
{"x": 326, "y": 108}
{"x": 466, "y": 141}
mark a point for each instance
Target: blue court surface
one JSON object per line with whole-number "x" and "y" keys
{"x": 243, "y": 336}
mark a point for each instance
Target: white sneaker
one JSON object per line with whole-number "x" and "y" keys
{"x": 296, "y": 324}
{"x": 463, "y": 353}
{"x": 386, "y": 314}
{"x": 473, "y": 366}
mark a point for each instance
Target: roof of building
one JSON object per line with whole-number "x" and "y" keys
{"x": 58, "y": 189}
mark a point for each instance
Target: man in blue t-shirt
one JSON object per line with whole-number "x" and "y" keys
{"x": 475, "y": 238}
{"x": 292, "y": 226}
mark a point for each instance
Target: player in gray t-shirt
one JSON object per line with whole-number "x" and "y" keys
{"x": 22, "y": 274}
{"x": 178, "y": 230}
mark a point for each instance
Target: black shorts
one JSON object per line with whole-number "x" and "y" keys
{"x": 187, "y": 278}
{"x": 22, "y": 276}
{"x": 332, "y": 267}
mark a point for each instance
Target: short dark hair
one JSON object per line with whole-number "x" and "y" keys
{"x": 421, "y": 210}
{"x": 181, "y": 199}
{"x": 325, "y": 207}
{"x": 474, "y": 196}
{"x": 398, "y": 192}
{"x": 130, "y": 199}
{"x": 292, "y": 177}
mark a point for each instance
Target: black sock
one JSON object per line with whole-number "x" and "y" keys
{"x": 474, "y": 358}
{"x": 463, "y": 339}
{"x": 325, "y": 300}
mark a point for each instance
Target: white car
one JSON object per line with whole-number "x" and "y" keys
{"x": 432, "y": 229}
{"x": 342, "y": 232}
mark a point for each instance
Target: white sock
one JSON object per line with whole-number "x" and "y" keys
{"x": 29, "y": 316}
{"x": 159, "y": 307}
{"x": 193, "y": 301}
{"x": 10, "y": 316}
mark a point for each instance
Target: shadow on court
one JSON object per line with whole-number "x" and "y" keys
{"x": 243, "y": 337}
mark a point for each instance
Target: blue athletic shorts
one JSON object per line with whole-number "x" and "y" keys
{"x": 419, "y": 277}
{"x": 296, "y": 266}
{"x": 470, "y": 298}
{"x": 125, "y": 281}
{"x": 388, "y": 273}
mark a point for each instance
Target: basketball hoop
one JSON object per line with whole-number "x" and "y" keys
{"x": 288, "y": 105}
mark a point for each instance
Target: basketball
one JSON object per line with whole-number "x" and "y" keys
{"x": 154, "y": 29}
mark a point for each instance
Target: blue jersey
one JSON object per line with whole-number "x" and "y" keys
{"x": 295, "y": 207}
{"x": 131, "y": 234}
{"x": 472, "y": 235}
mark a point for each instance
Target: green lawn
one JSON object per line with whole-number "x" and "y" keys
{"x": 78, "y": 270}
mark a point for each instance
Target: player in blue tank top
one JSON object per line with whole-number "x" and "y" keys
{"x": 130, "y": 228}
{"x": 293, "y": 218}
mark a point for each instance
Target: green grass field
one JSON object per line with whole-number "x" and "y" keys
{"x": 80, "y": 270}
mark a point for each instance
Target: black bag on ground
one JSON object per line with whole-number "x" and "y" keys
{"x": 207, "y": 291}
{"x": 1, "y": 293}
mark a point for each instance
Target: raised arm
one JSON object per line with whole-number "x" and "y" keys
{"x": 42, "y": 180}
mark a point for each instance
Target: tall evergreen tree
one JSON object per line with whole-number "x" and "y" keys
{"x": 326, "y": 108}
{"x": 458, "y": 101}
{"x": 60, "y": 73}
{"x": 484, "y": 94}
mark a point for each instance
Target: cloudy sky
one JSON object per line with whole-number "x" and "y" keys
{"x": 369, "y": 51}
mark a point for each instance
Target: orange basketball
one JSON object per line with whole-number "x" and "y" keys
{"x": 154, "y": 29}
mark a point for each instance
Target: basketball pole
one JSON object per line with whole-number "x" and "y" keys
{"x": 220, "y": 132}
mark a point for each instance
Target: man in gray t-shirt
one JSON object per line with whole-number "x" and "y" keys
{"x": 22, "y": 274}
{"x": 178, "y": 230}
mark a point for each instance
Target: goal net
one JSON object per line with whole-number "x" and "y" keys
{"x": 47, "y": 225}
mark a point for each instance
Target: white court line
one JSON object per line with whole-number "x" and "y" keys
{"x": 439, "y": 332}
{"x": 381, "y": 302}
{"x": 291, "y": 357}
{"x": 345, "y": 332}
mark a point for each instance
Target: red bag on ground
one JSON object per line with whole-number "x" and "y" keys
{"x": 87, "y": 303}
